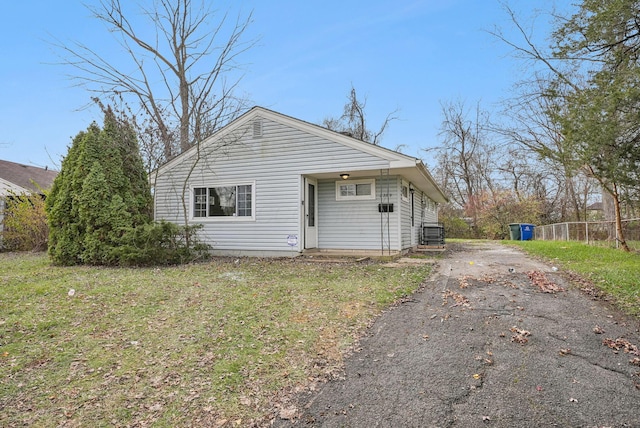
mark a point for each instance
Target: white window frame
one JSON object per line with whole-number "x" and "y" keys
{"x": 405, "y": 185}
{"x": 233, "y": 218}
{"x": 370, "y": 181}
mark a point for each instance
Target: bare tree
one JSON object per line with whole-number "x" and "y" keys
{"x": 531, "y": 128}
{"x": 465, "y": 157}
{"x": 591, "y": 81}
{"x": 181, "y": 74}
{"x": 353, "y": 121}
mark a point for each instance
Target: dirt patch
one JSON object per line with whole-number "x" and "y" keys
{"x": 410, "y": 261}
{"x": 496, "y": 339}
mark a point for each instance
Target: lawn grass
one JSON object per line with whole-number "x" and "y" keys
{"x": 611, "y": 270}
{"x": 198, "y": 345}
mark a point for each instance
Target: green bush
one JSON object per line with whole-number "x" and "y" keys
{"x": 25, "y": 223}
{"x": 159, "y": 243}
{"x": 101, "y": 192}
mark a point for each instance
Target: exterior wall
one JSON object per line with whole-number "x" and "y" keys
{"x": 430, "y": 211}
{"x": 275, "y": 163}
{"x": 424, "y": 211}
{"x": 358, "y": 225}
{"x": 405, "y": 222}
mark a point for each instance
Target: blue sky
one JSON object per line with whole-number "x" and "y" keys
{"x": 406, "y": 55}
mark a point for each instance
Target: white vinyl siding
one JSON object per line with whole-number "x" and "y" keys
{"x": 424, "y": 211}
{"x": 405, "y": 218}
{"x": 357, "y": 224}
{"x": 276, "y": 163}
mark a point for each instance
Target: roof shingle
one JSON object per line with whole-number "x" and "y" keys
{"x": 25, "y": 176}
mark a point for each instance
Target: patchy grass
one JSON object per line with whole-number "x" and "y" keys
{"x": 613, "y": 271}
{"x": 199, "y": 345}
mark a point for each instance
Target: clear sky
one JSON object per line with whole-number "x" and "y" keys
{"x": 409, "y": 55}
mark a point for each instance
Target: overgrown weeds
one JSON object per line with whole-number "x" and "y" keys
{"x": 198, "y": 345}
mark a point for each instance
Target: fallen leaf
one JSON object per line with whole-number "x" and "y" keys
{"x": 598, "y": 330}
{"x": 539, "y": 388}
{"x": 477, "y": 376}
{"x": 565, "y": 351}
{"x": 520, "y": 335}
{"x": 621, "y": 343}
{"x": 156, "y": 407}
{"x": 573, "y": 400}
{"x": 288, "y": 413}
{"x": 545, "y": 285}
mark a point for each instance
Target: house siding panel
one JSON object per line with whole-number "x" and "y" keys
{"x": 357, "y": 225}
{"x": 405, "y": 221}
{"x": 275, "y": 163}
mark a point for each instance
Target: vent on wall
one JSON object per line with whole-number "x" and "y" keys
{"x": 257, "y": 128}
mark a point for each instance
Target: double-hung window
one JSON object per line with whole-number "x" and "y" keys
{"x": 223, "y": 202}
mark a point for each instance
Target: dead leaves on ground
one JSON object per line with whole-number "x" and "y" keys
{"x": 465, "y": 281}
{"x": 538, "y": 279}
{"x": 621, "y": 343}
{"x": 628, "y": 348}
{"x": 541, "y": 281}
{"x": 520, "y": 336}
{"x": 459, "y": 299}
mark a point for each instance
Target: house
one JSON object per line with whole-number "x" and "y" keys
{"x": 595, "y": 211}
{"x": 17, "y": 179}
{"x": 268, "y": 184}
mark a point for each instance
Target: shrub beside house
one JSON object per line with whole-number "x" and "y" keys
{"x": 20, "y": 182}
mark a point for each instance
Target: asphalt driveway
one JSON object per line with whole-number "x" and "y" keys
{"x": 495, "y": 339}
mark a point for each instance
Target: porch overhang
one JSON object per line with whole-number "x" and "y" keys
{"x": 412, "y": 170}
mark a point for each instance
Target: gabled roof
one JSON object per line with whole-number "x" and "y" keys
{"x": 21, "y": 178}
{"x": 409, "y": 166}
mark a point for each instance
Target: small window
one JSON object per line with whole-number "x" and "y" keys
{"x": 355, "y": 189}
{"x": 405, "y": 191}
{"x": 223, "y": 201}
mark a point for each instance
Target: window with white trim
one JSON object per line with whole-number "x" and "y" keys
{"x": 223, "y": 201}
{"x": 405, "y": 191}
{"x": 355, "y": 190}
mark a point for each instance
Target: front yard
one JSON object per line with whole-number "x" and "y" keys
{"x": 213, "y": 344}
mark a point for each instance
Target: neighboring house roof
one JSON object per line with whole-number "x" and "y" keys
{"x": 19, "y": 178}
{"x": 410, "y": 167}
{"x": 596, "y": 206}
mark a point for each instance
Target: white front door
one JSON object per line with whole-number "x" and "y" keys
{"x": 310, "y": 213}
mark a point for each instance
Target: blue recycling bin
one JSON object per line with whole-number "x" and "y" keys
{"x": 526, "y": 231}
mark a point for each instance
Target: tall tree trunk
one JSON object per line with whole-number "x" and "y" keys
{"x": 619, "y": 232}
